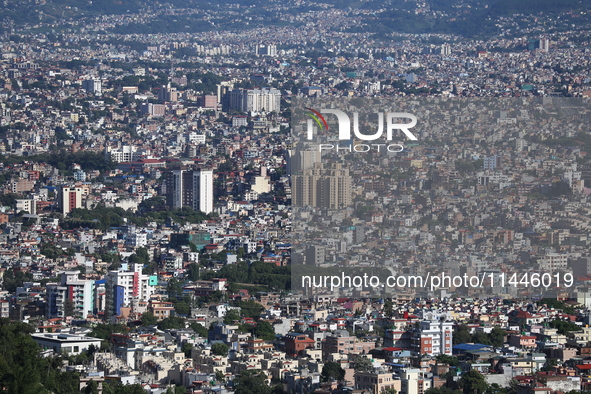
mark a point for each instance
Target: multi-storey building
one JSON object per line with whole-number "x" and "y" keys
{"x": 70, "y": 197}
{"x": 322, "y": 187}
{"x": 190, "y": 188}
{"x": 343, "y": 343}
{"x": 124, "y": 287}
{"x": 92, "y": 86}
{"x": 433, "y": 337}
{"x": 124, "y": 154}
{"x": 168, "y": 93}
{"x": 376, "y": 382}
{"x": 27, "y": 205}
{"x": 256, "y": 100}
{"x": 71, "y": 297}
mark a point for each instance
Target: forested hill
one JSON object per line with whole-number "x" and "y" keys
{"x": 464, "y": 17}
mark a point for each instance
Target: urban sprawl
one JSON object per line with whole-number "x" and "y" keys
{"x": 155, "y": 191}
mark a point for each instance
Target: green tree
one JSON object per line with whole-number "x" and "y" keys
{"x": 550, "y": 364}
{"x": 442, "y": 390}
{"x": 69, "y": 307}
{"x": 219, "y": 376}
{"x": 231, "y": 316}
{"x": 473, "y": 382}
{"x": 186, "y": 348}
{"x": 23, "y": 370}
{"x": 332, "y": 370}
{"x": 114, "y": 387}
{"x": 449, "y": 360}
{"x": 362, "y": 363}
{"x": 172, "y": 322}
{"x": 462, "y": 335}
{"x": 148, "y": 319}
{"x": 564, "y": 327}
{"x": 192, "y": 272}
{"x": 141, "y": 257}
{"x": 264, "y": 330}
{"x": 388, "y": 307}
{"x": 105, "y": 331}
{"x": 219, "y": 349}
{"x": 174, "y": 288}
{"x": 199, "y": 330}
{"x": 182, "y": 308}
{"x": 252, "y": 382}
{"x": 497, "y": 336}
{"x": 251, "y": 308}
{"x": 91, "y": 387}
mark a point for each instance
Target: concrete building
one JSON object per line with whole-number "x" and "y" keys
{"x": 27, "y": 205}
{"x": 322, "y": 187}
{"x": 154, "y": 110}
{"x": 376, "y": 382}
{"x": 414, "y": 381}
{"x": 124, "y": 287}
{"x": 343, "y": 343}
{"x": 433, "y": 337}
{"x": 296, "y": 343}
{"x": 168, "y": 93}
{"x": 79, "y": 294}
{"x": 256, "y": 100}
{"x": 190, "y": 188}
{"x": 70, "y": 197}
{"x": 92, "y": 86}
{"x": 65, "y": 343}
{"x": 124, "y": 154}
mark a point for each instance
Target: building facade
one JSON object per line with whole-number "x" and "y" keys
{"x": 126, "y": 287}
{"x": 190, "y": 188}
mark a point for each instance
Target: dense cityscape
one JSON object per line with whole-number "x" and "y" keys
{"x": 164, "y": 218}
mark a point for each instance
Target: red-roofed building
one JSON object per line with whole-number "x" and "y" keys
{"x": 295, "y": 343}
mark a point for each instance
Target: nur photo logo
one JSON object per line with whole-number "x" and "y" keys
{"x": 390, "y": 124}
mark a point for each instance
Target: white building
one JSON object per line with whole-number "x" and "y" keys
{"x": 137, "y": 240}
{"x": 255, "y": 100}
{"x": 70, "y": 197}
{"x": 27, "y": 205}
{"x": 123, "y": 287}
{"x": 553, "y": 262}
{"x": 433, "y": 337}
{"x": 65, "y": 343}
{"x": 122, "y": 155}
{"x": 190, "y": 188}
{"x": 79, "y": 293}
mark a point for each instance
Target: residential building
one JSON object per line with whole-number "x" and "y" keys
{"x": 123, "y": 287}
{"x": 433, "y": 337}
{"x": 323, "y": 187}
{"x": 71, "y": 297}
{"x": 70, "y": 197}
{"x": 190, "y": 188}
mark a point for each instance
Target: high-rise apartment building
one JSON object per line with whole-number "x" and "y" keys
{"x": 92, "y": 86}
{"x": 126, "y": 287}
{"x": 301, "y": 159}
{"x": 257, "y": 100}
{"x": 266, "y": 50}
{"x": 154, "y": 110}
{"x": 70, "y": 197}
{"x": 190, "y": 188}
{"x": 168, "y": 93}
{"x": 322, "y": 187}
